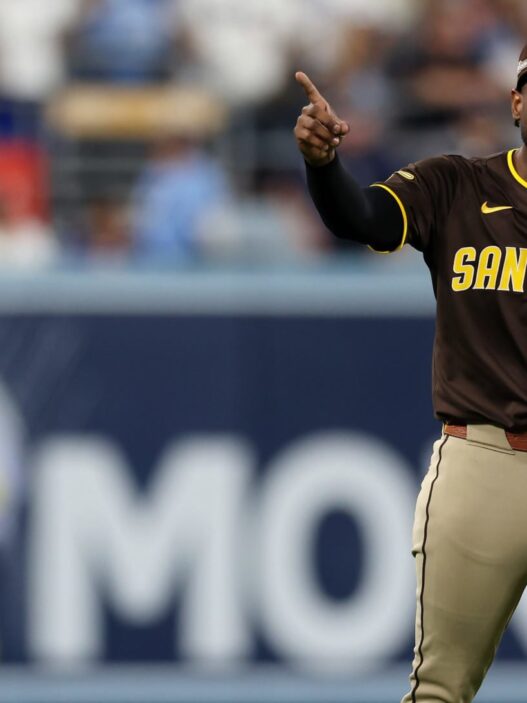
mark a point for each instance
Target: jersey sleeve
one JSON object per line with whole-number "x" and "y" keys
{"x": 424, "y": 192}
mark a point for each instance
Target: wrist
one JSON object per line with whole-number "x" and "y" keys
{"x": 332, "y": 159}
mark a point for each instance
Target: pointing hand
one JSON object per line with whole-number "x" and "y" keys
{"x": 318, "y": 132}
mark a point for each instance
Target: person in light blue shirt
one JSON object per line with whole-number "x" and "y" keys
{"x": 176, "y": 192}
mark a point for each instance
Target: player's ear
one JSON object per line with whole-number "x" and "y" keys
{"x": 516, "y": 106}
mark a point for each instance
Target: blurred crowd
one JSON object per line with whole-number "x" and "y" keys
{"x": 159, "y": 132}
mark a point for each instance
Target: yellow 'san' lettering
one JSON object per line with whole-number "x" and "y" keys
{"x": 488, "y": 269}
{"x": 514, "y": 270}
{"x": 463, "y": 266}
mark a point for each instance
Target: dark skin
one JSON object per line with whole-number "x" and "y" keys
{"x": 519, "y": 114}
{"x": 319, "y": 131}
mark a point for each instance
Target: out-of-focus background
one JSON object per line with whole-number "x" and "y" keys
{"x": 214, "y": 418}
{"x": 158, "y": 132}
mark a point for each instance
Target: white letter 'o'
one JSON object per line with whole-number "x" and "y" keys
{"x": 372, "y": 482}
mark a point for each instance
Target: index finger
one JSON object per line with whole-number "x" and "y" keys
{"x": 310, "y": 88}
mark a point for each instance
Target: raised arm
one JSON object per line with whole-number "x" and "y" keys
{"x": 370, "y": 215}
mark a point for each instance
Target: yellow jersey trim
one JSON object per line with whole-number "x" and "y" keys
{"x": 512, "y": 168}
{"x": 405, "y": 217}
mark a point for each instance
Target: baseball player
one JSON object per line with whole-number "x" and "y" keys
{"x": 469, "y": 219}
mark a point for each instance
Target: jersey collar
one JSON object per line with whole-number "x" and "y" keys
{"x": 512, "y": 168}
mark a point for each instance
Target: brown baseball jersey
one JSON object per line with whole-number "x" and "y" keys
{"x": 469, "y": 218}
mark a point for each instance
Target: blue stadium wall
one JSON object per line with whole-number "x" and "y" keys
{"x": 215, "y": 474}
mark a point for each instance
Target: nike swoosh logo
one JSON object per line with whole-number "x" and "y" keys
{"x": 487, "y": 210}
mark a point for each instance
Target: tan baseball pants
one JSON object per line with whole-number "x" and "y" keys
{"x": 470, "y": 548}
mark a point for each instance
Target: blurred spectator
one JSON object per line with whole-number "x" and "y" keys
{"x": 25, "y": 242}
{"x": 108, "y": 235}
{"x": 299, "y": 233}
{"x": 477, "y": 134}
{"x": 414, "y": 77}
{"x": 178, "y": 188}
{"x": 23, "y": 179}
{"x": 360, "y": 79}
{"x": 31, "y": 47}
{"x": 274, "y": 222}
{"x": 123, "y": 41}
{"x": 504, "y": 38}
{"x": 385, "y": 15}
{"x": 242, "y": 49}
{"x": 329, "y": 27}
{"x": 367, "y": 149}
{"x": 440, "y": 68}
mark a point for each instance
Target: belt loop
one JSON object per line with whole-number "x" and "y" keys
{"x": 488, "y": 434}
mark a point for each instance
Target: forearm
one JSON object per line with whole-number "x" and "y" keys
{"x": 366, "y": 215}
